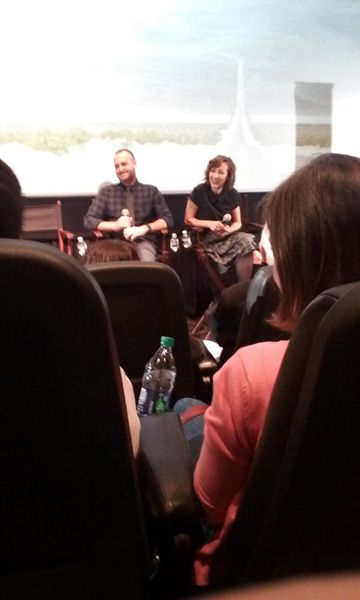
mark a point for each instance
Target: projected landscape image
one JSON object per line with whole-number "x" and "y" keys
{"x": 268, "y": 82}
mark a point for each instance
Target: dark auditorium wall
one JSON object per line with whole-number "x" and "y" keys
{"x": 75, "y": 207}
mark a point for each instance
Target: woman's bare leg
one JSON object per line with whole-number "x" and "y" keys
{"x": 244, "y": 267}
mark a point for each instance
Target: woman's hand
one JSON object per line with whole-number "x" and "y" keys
{"x": 217, "y": 227}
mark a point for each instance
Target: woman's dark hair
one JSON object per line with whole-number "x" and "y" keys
{"x": 10, "y": 203}
{"x": 314, "y": 223}
{"x": 216, "y": 162}
{"x": 109, "y": 251}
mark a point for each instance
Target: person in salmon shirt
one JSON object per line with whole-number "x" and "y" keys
{"x": 314, "y": 224}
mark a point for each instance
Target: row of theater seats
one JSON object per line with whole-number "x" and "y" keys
{"x": 80, "y": 518}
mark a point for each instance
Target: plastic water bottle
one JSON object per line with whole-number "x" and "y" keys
{"x": 158, "y": 380}
{"x": 81, "y": 246}
{"x": 174, "y": 242}
{"x": 186, "y": 239}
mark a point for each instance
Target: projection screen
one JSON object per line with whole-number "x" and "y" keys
{"x": 269, "y": 83}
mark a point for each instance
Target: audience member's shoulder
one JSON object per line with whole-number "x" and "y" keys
{"x": 257, "y": 356}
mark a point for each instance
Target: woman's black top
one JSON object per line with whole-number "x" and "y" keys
{"x": 213, "y": 207}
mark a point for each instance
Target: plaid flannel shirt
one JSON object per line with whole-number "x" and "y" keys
{"x": 149, "y": 205}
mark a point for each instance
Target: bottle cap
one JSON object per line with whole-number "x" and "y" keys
{"x": 167, "y": 342}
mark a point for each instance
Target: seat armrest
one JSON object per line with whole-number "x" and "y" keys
{"x": 166, "y": 468}
{"x": 253, "y": 225}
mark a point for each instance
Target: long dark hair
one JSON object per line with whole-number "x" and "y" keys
{"x": 314, "y": 223}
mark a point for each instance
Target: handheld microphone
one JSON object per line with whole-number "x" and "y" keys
{"x": 226, "y": 220}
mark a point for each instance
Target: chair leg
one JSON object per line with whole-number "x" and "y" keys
{"x": 214, "y": 277}
{"x": 200, "y": 323}
{"x": 203, "y": 321}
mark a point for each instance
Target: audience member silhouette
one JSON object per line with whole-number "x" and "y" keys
{"x": 10, "y": 203}
{"x": 110, "y": 250}
{"x": 104, "y": 251}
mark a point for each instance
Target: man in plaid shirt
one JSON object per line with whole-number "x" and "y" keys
{"x": 130, "y": 209}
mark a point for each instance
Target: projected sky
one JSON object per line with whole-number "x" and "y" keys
{"x": 177, "y": 81}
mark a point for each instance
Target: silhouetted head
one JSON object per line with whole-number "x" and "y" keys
{"x": 109, "y": 251}
{"x": 314, "y": 223}
{"x": 10, "y": 203}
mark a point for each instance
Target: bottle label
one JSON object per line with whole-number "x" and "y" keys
{"x": 157, "y": 385}
{"x": 150, "y": 401}
{"x": 160, "y": 406}
{"x": 146, "y": 402}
